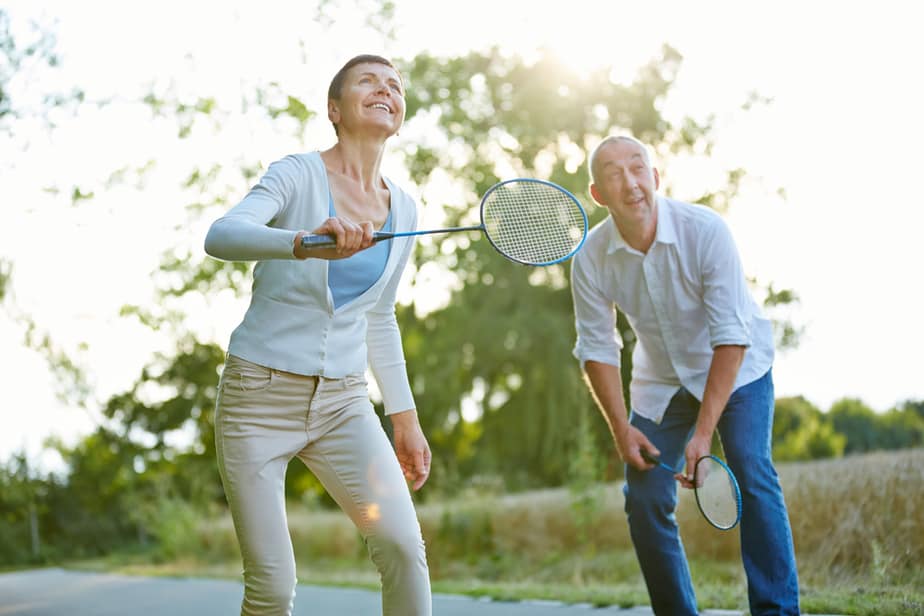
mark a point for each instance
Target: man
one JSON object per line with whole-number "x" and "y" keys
{"x": 702, "y": 362}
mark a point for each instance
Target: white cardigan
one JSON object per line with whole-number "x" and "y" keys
{"x": 291, "y": 324}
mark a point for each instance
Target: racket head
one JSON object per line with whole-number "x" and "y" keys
{"x": 533, "y": 222}
{"x": 717, "y": 494}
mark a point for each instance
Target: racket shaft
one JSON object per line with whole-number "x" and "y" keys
{"x": 653, "y": 460}
{"x": 321, "y": 241}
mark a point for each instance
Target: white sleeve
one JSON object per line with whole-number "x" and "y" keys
{"x": 594, "y": 317}
{"x": 383, "y": 340}
{"x": 725, "y": 291}
{"x": 244, "y": 232}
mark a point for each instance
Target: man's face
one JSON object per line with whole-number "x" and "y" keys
{"x": 625, "y": 182}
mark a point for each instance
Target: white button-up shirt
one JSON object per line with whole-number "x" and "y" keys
{"x": 682, "y": 298}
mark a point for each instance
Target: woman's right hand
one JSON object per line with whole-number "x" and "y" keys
{"x": 351, "y": 238}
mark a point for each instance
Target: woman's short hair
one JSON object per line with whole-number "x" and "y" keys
{"x": 336, "y": 84}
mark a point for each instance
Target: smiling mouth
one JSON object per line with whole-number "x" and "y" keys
{"x": 381, "y": 106}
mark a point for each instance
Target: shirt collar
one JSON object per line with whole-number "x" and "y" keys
{"x": 665, "y": 233}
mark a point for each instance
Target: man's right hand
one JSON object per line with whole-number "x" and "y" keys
{"x": 630, "y": 442}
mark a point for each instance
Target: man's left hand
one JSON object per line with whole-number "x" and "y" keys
{"x": 698, "y": 447}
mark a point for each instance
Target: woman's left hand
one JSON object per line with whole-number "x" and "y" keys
{"x": 411, "y": 447}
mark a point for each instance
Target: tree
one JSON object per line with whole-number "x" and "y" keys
{"x": 901, "y": 427}
{"x": 20, "y": 495}
{"x": 802, "y": 432}
{"x": 856, "y": 421}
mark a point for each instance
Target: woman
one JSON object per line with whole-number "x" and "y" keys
{"x": 293, "y": 384}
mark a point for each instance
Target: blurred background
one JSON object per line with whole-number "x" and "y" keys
{"x": 128, "y": 127}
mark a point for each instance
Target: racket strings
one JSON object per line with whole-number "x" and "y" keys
{"x": 717, "y": 493}
{"x": 533, "y": 222}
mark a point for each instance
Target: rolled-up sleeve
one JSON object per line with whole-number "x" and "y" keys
{"x": 725, "y": 292}
{"x": 594, "y": 316}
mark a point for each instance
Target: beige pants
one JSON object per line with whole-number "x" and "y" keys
{"x": 266, "y": 417}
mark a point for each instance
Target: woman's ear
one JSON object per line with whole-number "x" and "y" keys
{"x": 333, "y": 113}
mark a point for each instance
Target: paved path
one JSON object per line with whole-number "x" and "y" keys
{"x": 57, "y": 592}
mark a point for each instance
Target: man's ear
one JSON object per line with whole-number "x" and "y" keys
{"x": 596, "y": 194}
{"x": 657, "y": 177}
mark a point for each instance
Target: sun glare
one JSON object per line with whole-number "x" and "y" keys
{"x": 585, "y": 56}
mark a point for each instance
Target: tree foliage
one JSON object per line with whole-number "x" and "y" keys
{"x": 802, "y": 432}
{"x": 865, "y": 430}
{"x": 27, "y": 60}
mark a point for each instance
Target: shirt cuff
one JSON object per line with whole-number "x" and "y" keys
{"x": 736, "y": 334}
{"x": 604, "y": 356}
{"x": 395, "y": 388}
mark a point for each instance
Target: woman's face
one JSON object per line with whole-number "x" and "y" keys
{"x": 371, "y": 99}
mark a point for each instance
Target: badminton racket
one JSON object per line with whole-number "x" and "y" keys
{"x": 717, "y": 494}
{"x": 529, "y": 221}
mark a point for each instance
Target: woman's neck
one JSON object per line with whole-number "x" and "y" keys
{"x": 357, "y": 160}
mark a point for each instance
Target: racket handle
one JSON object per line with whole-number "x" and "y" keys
{"x": 325, "y": 241}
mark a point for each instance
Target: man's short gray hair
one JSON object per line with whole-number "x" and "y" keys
{"x": 613, "y": 139}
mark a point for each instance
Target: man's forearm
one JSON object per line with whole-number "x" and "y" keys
{"x": 723, "y": 371}
{"x": 605, "y": 384}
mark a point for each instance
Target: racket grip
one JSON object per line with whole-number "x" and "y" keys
{"x": 326, "y": 241}
{"x": 318, "y": 241}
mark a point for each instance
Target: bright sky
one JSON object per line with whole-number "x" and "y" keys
{"x": 841, "y": 137}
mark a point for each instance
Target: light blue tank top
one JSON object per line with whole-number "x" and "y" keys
{"x": 351, "y": 277}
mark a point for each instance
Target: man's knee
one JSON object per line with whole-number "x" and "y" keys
{"x": 644, "y": 500}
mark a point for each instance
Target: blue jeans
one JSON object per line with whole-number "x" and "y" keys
{"x": 745, "y": 428}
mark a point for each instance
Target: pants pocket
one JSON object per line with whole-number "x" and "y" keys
{"x": 244, "y": 376}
